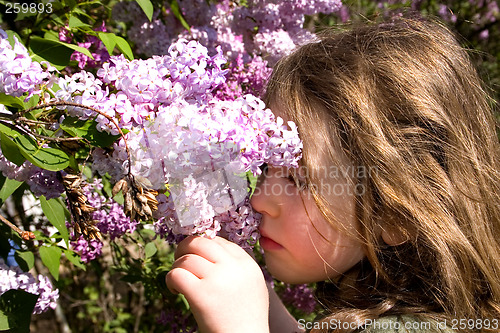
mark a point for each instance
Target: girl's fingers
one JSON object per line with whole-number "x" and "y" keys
{"x": 180, "y": 280}
{"x": 210, "y": 249}
{"x": 198, "y": 266}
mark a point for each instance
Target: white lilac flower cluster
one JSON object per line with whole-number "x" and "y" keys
{"x": 15, "y": 278}
{"x": 183, "y": 139}
{"x": 18, "y": 73}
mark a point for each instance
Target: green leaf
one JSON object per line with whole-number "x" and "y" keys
{"x": 33, "y": 101}
{"x": 78, "y": 49}
{"x": 53, "y": 51}
{"x": 25, "y": 259}
{"x": 9, "y": 131}
{"x": 10, "y": 150}
{"x": 150, "y": 249}
{"x": 147, "y": 7}
{"x": 16, "y": 307}
{"x": 46, "y": 158}
{"x": 88, "y": 129}
{"x": 108, "y": 40}
{"x": 51, "y": 258}
{"x": 74, "y": 22}
{"x": 124, "y": 46}
{"x": 8, "y": 100}
{"x": 7, "y": 187}
{"x": 74, "y": 259}
{"x": 176, "y": 10}
{"x": 54, "y": 211}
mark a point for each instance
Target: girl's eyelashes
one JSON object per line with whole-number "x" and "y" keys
{"x": 263, "y": 168}
{"x": 297, "y": 182}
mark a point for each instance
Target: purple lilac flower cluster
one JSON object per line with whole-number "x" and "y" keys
{"x": 244, "y": 78}
{"x": 40, "y": 181}
{"x": 251, "y": 36}
{"x": 200, "y": 151}
{"x": 15, "y": 278}
{"x": 99, "y": 52}
{"x": 177, "y": 322}
{"x": 279, "y": 24}
{"x": 487, "y": 15}
{"x": 88, "y": 249}
{"x": 18, "y": 73}
{"x": 111, "y": 219}
{"x": 300, "y": 296}
{"x": 131, "y": 91}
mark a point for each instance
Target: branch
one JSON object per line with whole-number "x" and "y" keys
{"x": 26, "y": 235}
{"x": 111, "y": 119}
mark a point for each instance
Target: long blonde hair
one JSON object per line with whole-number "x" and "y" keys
{"x": 405, "y": 101}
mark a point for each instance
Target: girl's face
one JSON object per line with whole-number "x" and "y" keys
{"x": 300, "y": 246}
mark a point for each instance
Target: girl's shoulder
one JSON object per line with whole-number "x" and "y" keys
{"x": 406, "y": 324}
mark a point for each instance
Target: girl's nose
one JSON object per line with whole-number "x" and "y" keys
{"x": 263, "y": 200}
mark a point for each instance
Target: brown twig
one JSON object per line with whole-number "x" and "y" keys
{"x": 49, "y": 138}
{"x": 25, "y": 120}
{"x": 26, "y": 235}
{"x": 111, "y": 119}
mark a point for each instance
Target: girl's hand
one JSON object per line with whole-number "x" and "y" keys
{"x": 223, "y": 285}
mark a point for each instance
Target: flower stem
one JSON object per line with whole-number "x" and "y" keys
{"x": 111, "y": 119}
{"x": 26, "y": 235}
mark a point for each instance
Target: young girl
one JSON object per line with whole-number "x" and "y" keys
{"x": 395, "y": 206}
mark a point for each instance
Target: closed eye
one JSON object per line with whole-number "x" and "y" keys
{"x": 297, "y": 182}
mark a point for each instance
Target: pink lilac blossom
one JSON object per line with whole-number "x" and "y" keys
{"x": 132, "y": 90}
{"x": 246, "y": 30}
{"x": 182, "y": 138}
{"x": 15, "y": 278}
{"x": 241, "y": 225}
{"x": 18, "y": 73}
{"x": 200, "y": 150}
{"x": 244, "y": 78}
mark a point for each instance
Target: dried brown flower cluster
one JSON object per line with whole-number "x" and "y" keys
{"x": 139, "y": 198}
{"x": 81, "y": 211}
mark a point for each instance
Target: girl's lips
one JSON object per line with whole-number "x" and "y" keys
{"x": 268, "y": 244}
